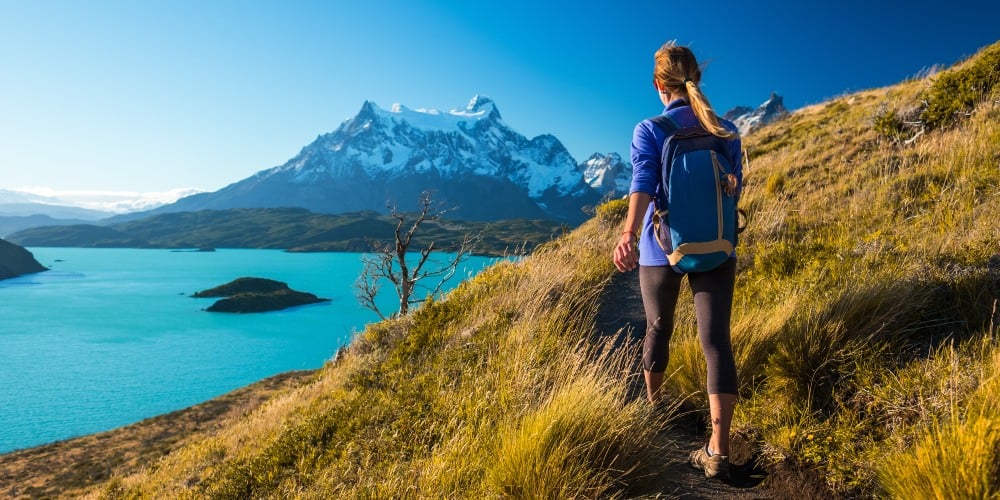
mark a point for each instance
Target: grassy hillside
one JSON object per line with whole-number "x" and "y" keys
{"x": 296, "y": 229}
{"x": 69, "y": 468}
{"x": 865, "y": 329}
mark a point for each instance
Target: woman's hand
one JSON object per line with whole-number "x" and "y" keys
{"x": 626, "y": 254}
{"x": 729, "y": 184}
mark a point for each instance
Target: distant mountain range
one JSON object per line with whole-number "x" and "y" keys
{"x": 10, "y": 224}
{"x": 608, "y": 174}
{"x": 468, "y": 157}
{"x": 18, "y": 203}
{"x": 23, "y": 210}
{"x": 294, "y": 229}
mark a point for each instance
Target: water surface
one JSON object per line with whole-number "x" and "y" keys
{"x": 108, "y": 337}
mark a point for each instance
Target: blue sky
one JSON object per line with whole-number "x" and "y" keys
{"x": 156, "y": 95}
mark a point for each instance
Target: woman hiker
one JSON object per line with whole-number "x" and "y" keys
{"x": 676, "y": 77}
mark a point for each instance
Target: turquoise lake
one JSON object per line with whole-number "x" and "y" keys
{"x": 109, "y": 337}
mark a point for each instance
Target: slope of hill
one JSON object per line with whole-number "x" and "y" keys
{"x": 864, "y": 326}
{"x": 295, "y": 229}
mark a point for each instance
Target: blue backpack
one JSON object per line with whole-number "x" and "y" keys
{"x": 695, "y": 221}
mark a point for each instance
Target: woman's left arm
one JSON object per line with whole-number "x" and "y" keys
{"x": 736, "y": 160}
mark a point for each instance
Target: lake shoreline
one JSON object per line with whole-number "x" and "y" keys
{"x": 76, "y": 465}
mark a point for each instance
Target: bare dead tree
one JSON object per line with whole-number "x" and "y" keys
{"x": 388, "y": 261}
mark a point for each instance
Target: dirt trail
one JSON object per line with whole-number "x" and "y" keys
{"x": 621, "y": 308}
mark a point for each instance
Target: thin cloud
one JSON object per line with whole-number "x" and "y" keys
{"x": 106, "y": 200}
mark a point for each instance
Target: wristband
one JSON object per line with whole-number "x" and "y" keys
{"x": 633, "y": 233}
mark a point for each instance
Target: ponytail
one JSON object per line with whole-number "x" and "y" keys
{"x": 703, "y": 110}
{"x": 677, "y": 70}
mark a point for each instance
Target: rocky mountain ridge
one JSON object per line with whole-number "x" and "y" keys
{"x": 469, "y": 158}
{"x": 748, "y": 119}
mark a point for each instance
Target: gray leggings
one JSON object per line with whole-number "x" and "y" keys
{"x": 713, "y": 303}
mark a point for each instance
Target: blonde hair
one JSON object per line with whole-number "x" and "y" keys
{"x": 677, "y": 71}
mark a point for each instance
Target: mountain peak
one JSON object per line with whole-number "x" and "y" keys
{"x": 466, "y": 154}
{"x": 483, "y": 104}
{"x": 479, "y": 102}
{"x": 368, "y": 108}
{"x": 747, "y": 119}
{"x": 775, "y": 103}
{"x": 607, "y": 173}
{"x": 479, "y": 108}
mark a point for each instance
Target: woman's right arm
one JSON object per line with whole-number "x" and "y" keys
{"x": 645, "y": 176}
{"x": 626, "y": 254}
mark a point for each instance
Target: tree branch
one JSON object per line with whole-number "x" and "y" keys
{"x": 380, "y": 264}
{"x": 366, "y": 288}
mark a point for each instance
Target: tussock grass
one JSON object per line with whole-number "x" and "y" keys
{"x": 556, "y": 449}
{"x": 497, "y": 390}
{"x": 864, "y": 327}
{"x": 956, "y": 456}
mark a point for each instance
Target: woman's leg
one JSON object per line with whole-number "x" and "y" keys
{"x": 660, "y": 286}
{"x": 713, "y": 302}
{"x": 721, "y": 408}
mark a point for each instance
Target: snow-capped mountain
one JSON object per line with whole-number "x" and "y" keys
{"x": 468, "y": 157}
{"x": 748, "y": 119}
{"x": 607, "y": 174}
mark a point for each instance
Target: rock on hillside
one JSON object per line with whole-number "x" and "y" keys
{"x": 15, "y": 261}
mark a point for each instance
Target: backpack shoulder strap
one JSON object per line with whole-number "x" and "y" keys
{"x": 672, "y": 129}
{"x": 666, "y": 124}
{"x": 669, "y": 127}
{"x": 673, "y": 132}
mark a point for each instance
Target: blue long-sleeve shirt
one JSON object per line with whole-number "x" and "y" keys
{"x": 647, "y": 143}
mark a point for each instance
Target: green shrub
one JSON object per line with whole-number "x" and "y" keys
{"x": 889, "y": 125}
{"x": 956, "y": 92}
{"x": 612, "y": 212}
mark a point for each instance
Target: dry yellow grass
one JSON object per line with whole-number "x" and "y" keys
{"x": 864, "y": 299}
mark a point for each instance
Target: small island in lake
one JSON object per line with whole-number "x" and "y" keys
{"x": 250, "y": 295}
